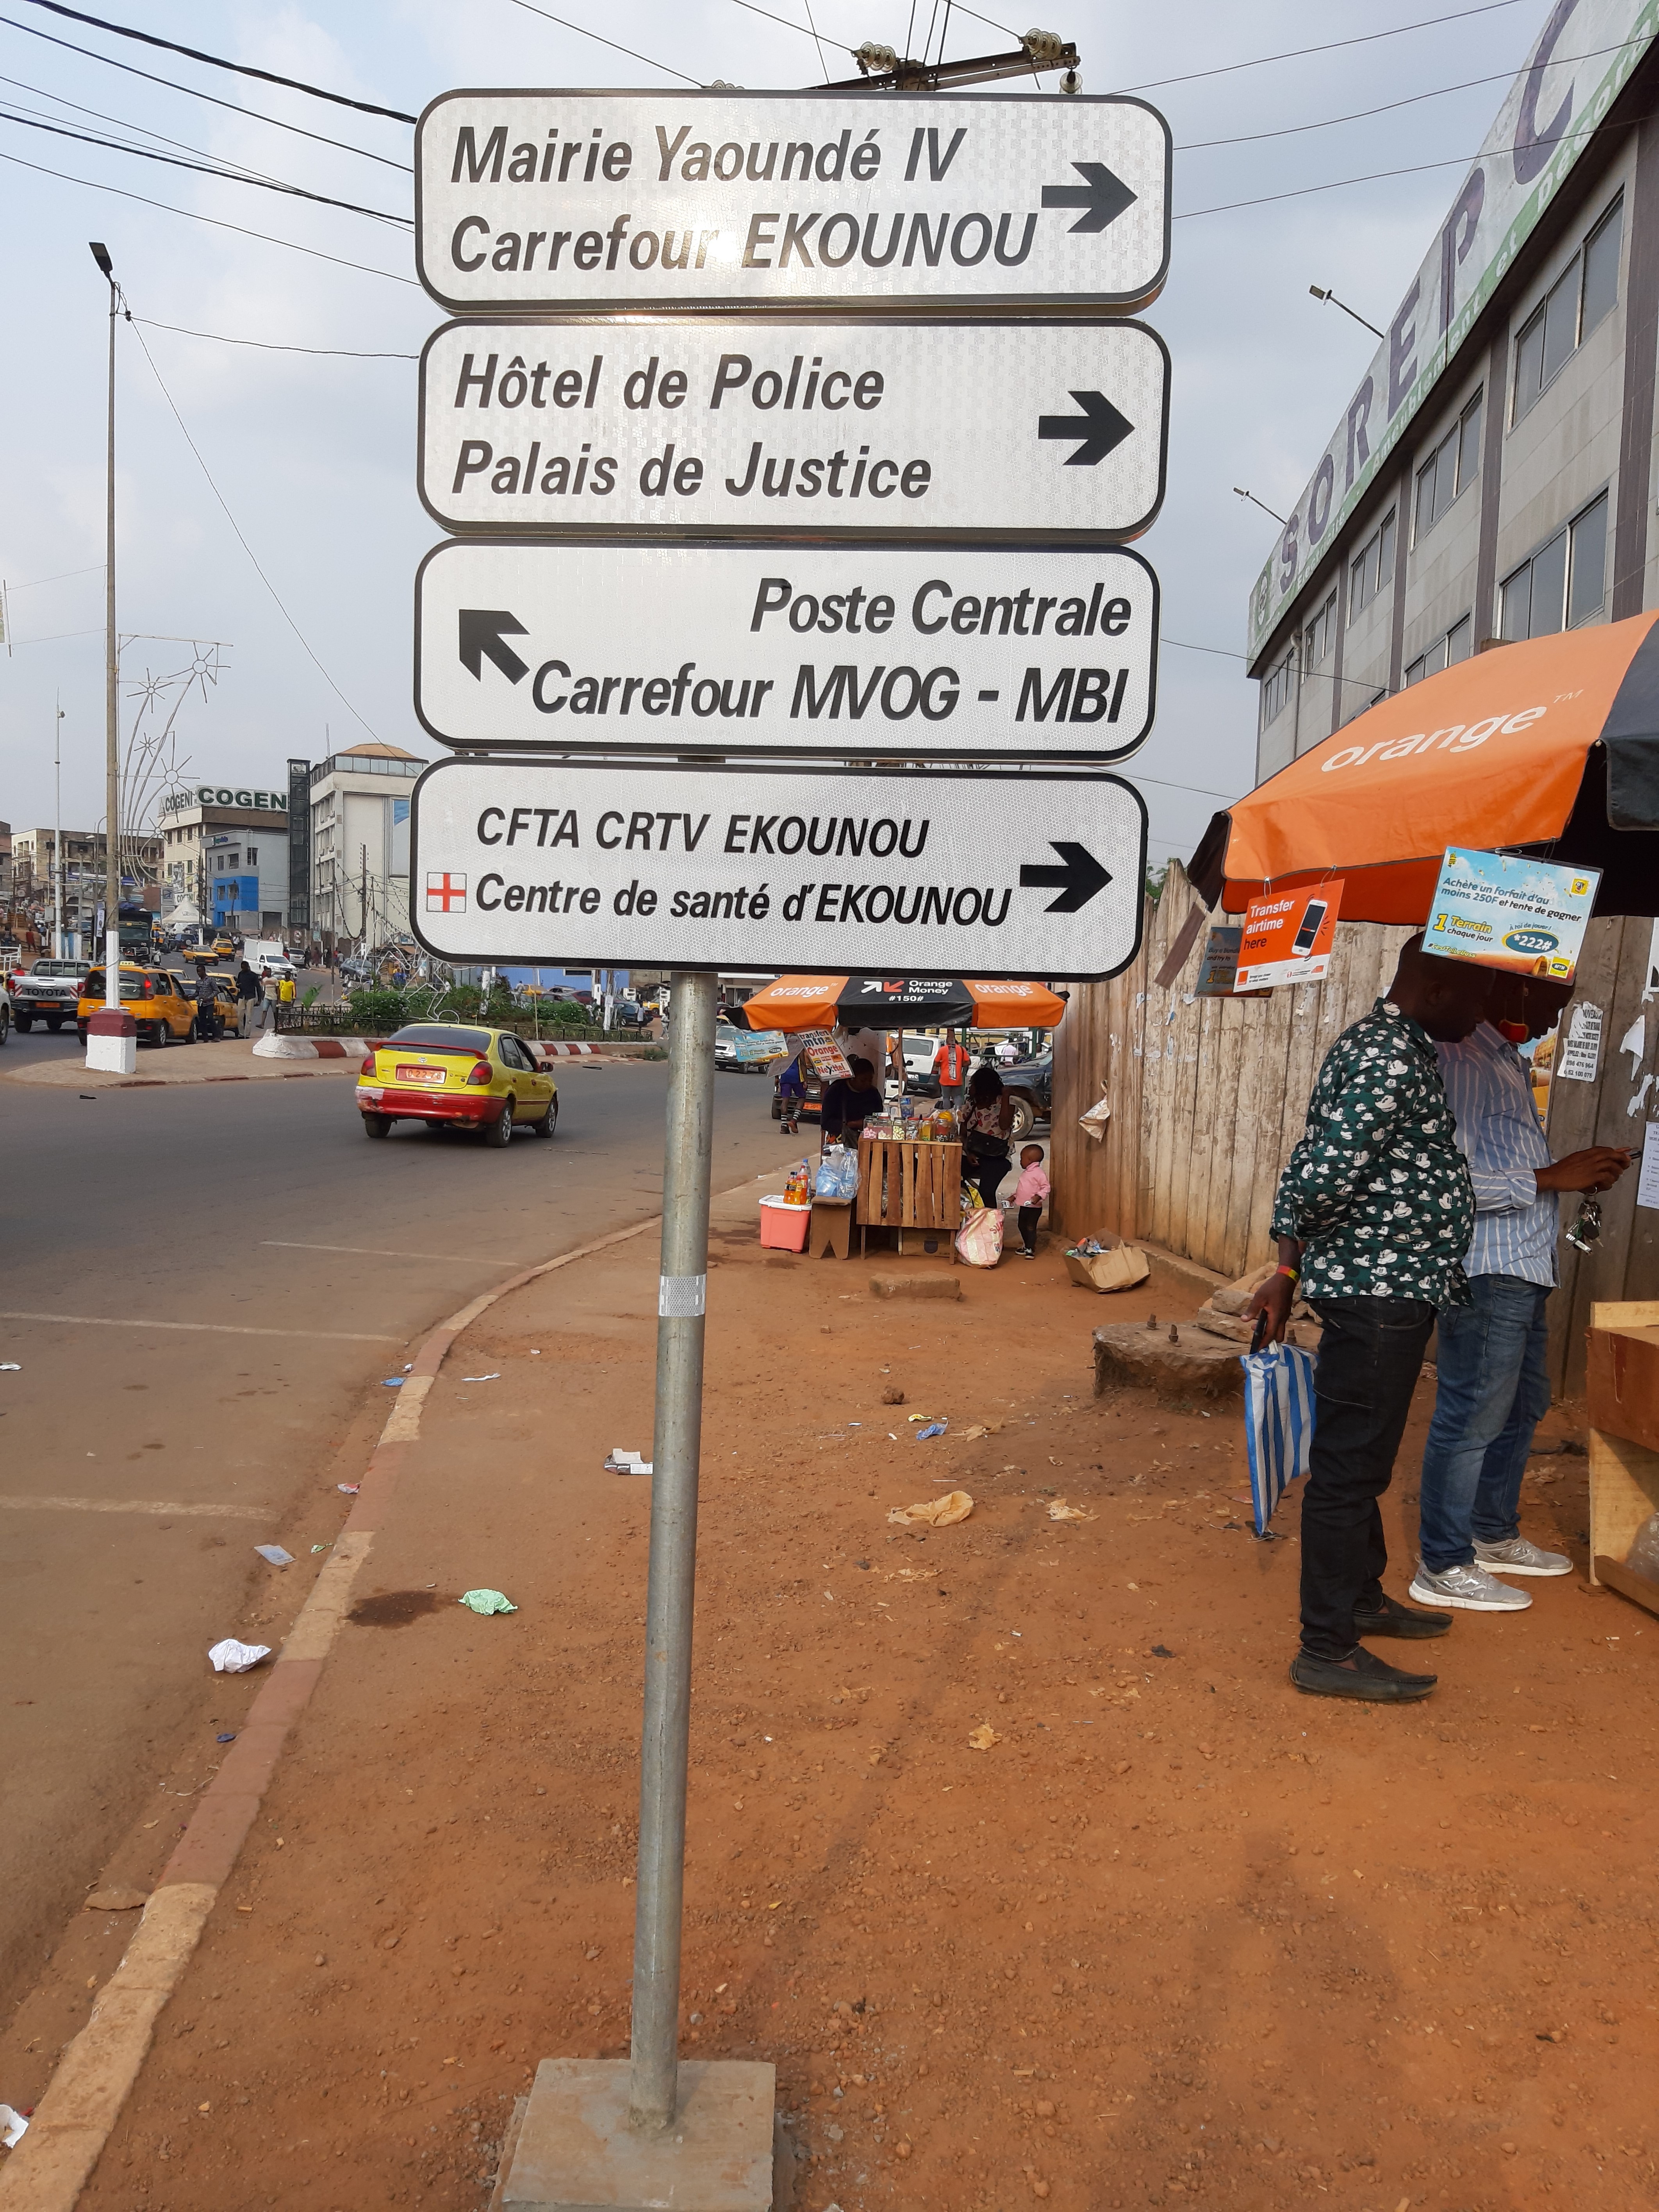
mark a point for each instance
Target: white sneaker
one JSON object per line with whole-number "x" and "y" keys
{"x": 1472, "y": 1587}
{"x": 1517, "y": 1555}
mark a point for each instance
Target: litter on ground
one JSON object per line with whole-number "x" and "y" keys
{"x": 1059, "y": 1511}
{"x": 230, "y": 1657}
{"x": 276, "y": 1554}
{"x": 983, "y": 1737}
{"x": 486, "y": 1601}
{"x": 625, "y": 1462}
{"x": 934, "y": 1512}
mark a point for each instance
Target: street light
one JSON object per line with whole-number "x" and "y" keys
{"x": 112, "y": 1033}
{"x": 1255, "y": 501}
{"x": 1331, "y": 300}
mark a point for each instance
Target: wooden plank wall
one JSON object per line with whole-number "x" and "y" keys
{"x": 1612, "y": 974}
{"x": 1207, "y": 1097}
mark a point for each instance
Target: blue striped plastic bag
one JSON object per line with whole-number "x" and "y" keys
{"x": 1278, "y": 1422}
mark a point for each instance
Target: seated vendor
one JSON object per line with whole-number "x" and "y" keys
{"x": 848, "y": 1102}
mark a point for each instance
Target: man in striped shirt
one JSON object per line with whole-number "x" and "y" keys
{"x": 1493, "y": 1387}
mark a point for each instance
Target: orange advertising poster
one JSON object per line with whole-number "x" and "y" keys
{"x": 1288, "y": 936}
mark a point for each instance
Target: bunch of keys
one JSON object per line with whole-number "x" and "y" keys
{"x": 1586, "y": 1226}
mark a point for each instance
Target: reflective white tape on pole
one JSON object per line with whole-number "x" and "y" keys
{"x": 681, "y": 1297}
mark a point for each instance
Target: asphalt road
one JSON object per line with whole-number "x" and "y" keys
{"x": 203, "y": 1288}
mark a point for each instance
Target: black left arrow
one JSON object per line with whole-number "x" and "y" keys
{"x": 1100, "y": 427}
{"x": 1102, "y": 195}
{"x": 482, "y": 632}
{"x": 1077, "y": 882}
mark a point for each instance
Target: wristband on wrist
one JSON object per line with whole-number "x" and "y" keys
{"x": 1294, "y": 1273}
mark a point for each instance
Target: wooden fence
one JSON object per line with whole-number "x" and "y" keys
{"x": 1208, "y": 1096}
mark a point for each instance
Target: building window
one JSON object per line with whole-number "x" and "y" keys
{"x": 1277, "y": 687}
{"x": 1582, "y": 296}
{"x": 254, "y": 856}
{"x": 1564, "y": 584}
{"x": 1372, "y": 568}
{"x": 1317, "y": 637}
{"x": 1453, "y": 465}
{"x": 1445, "y": 651}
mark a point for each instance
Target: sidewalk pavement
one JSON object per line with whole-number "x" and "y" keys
{"x": 233, "y": 1060}
{"x": 1176, "y": 1931}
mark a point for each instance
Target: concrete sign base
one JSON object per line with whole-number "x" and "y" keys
{"x": 576, "y": 2152}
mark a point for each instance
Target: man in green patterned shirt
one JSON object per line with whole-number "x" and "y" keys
{"x": 1374, "y": 1214}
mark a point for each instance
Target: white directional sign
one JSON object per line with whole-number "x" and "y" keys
{"x": 680, "y": 199}
{"x": 877, "y": 872}
{"x": 921, "y": 653}
{"x": 1048, "y": 429}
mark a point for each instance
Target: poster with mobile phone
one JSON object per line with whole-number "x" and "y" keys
{"x": 1525, "y": 917}
{"x": 1288, "y": 937}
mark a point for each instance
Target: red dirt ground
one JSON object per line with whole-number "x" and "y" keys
{"x": 1179, "y": 1932}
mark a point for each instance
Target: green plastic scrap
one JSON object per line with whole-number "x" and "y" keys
{"x": 483, "y": 1601}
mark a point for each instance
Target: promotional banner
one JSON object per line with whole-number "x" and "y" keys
{"x": 1287, "y": 938}
{"x": 761, "y": 1044}
{"x": 1526, "y": 917}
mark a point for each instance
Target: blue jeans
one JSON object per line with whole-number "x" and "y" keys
{"x": 1493, "y": 1391}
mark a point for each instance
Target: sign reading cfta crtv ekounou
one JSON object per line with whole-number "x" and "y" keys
{"x": 530, "y": 200}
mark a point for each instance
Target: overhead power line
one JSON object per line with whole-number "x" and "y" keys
{"x": 195, "y": 92}
{"x": 266, "y": 345}
{"x": 213, "y": 220}
{"x": 203, "y": 168}
{"x": 214, "y": 60}
{"x": 243, "y": 543}
{"x": 1292, "y": 53}
{"x": 582, "y": 32}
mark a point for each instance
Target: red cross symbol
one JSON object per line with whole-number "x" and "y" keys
{"x": 445, "y": 894}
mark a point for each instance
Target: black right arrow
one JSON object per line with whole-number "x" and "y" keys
{"x": 1077, "y": 882}
{"x": 1100, "y": 427}
{"x": 482, "y": 629}
{"x": 1102, "y": 197}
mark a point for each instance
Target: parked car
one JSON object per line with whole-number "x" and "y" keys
{"x": 628, "y": 1015}
{"x": 726, "y": 1048}
{"x": 49, "y": 993}
{"x": 919, "y": 1053}
{"x": 1029, "y": 1084}
{"x": 160, "y": 1009}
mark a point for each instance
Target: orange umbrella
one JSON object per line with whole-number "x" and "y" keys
{"x": 1551, "y": 746}
{"x": 820, "y": 1002}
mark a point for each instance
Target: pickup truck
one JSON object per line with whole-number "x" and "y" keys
{"x": 49, "y": 993}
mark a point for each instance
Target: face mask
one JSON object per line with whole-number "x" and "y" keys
{"x": 1514, "y": 1032}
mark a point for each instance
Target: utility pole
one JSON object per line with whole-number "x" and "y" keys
{"x": 57, "y": 951}
{"x": 112, "y": 1033}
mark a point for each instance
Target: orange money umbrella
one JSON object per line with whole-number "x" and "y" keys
{"x": 822, "y": 1002}
{"x": 1549, "y": 748}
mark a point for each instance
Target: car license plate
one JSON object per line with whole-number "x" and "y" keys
{"x": 431, "y": 1076}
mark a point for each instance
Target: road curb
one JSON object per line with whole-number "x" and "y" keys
{"x": 96, "y": 2075}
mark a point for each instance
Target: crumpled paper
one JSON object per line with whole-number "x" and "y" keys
{"x": 983, "y": 1737}
{"x": 13, "y": 2126}
{"x": 1059, "y": 1511}
{"x": 486, "y": 1601}
{"x": 230, "y": 1657}
{"x": 934, "y": 1512}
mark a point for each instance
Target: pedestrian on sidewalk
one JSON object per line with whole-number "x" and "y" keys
{"x": 1373, "y": 1216}
{"x": 248, "y": 996}
{"x": 1030, "y": 1196}
{"x": 988, "y": 1118}
{"x": 791, "y": 1092}
{"x": 1493, "y": 1385}
{"x": 951, "y": 1066}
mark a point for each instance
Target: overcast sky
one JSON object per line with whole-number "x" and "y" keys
{"x": 314, "y": 455}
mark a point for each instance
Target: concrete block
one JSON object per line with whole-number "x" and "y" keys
{"x": 576, "y": 2152}
{"x": 916, "y": 1286}
{"x": 1198, "y": 1366}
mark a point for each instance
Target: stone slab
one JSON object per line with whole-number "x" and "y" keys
{"x": 917, "y": 1286}
{"x": 576, "y": 2152}
{"x": 1198, "y": 1366}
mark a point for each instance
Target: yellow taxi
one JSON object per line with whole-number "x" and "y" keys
{"x": 151, "y": 995}
{"x": 450, "y": 1075}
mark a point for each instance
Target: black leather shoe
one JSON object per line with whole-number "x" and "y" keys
{"x": 1360, "y": 1675}
{"x": 1393, "y": 1619}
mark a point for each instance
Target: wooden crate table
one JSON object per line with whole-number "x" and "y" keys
{"x": 1623, "y": 1388}
{"x": 909, "y": 1184}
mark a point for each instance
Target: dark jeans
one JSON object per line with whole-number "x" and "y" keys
{"x": 986, "y": 1174}
{"x": 1370, "y": 1357}
{"x": 1029, "y": 1218}
{"x": 1494, "y": 1390}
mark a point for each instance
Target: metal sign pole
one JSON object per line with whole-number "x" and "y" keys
{"x": 653, "y": 2083}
